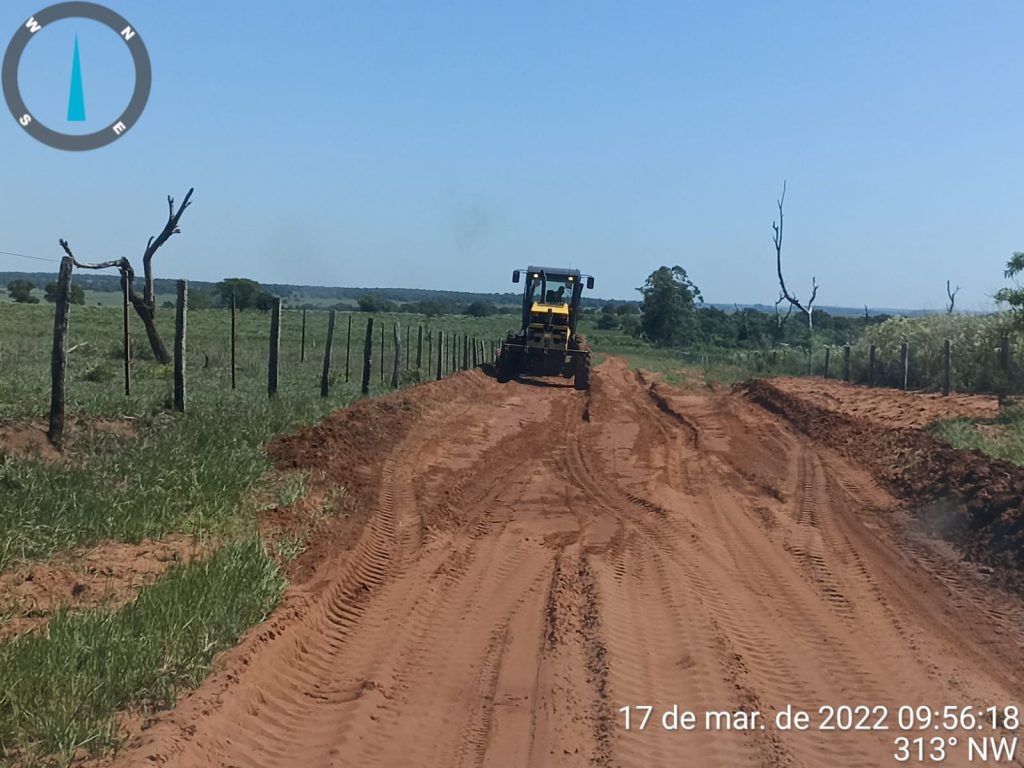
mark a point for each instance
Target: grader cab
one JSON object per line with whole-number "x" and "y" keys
{"x": 548, "y": 343}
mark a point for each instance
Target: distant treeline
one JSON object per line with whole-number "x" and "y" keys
{"x": 295, "y": 294}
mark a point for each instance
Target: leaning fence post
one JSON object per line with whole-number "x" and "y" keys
{"x": 947, "y": 366}
{"x": 180, "y": 320}
{"x": 234, "y": 340}
{"x": 397, "y": 363}
{"x": 325, "y": 379}
{"x": 59, "y": 357}
{"x": 440, "y": 354}
{"x": 367, "y": 355}
{"x": 419, "y": 348}
{"x": 275, "y": 347}
{"x": 905, "y": 362}
{"x": 127, "y": 340}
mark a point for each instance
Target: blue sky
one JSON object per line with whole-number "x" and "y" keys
{"x": 441, "y": 145}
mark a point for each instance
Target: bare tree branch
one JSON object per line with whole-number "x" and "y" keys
{"x": 791, "y": 298}
{"x": 170, "y": 228}
{"x": 952, "y": 297}
{"x": 119, "y": 263}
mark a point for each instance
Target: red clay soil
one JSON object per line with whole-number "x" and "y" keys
{"x": 977, "y": 500}
{"x": 111, "y": 573}
{"x": 535, "y": 558}
{"x": 888, "y": 407}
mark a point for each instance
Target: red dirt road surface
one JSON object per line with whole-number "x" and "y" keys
{"x": 534, "y": 558}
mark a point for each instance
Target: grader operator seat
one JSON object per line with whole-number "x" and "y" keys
{"x": 549, "y": 287}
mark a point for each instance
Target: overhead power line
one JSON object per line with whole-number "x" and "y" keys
{"x": 25, "y": 256}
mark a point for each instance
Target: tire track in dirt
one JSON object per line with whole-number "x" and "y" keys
{"x": 537, "y": 558}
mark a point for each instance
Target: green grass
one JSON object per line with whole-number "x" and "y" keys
{"x": 171, "y": 473}
{"x": 59, "y": 692}
{"x": 1001, "y": 437}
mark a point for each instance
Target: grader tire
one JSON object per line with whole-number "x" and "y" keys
{"x": 503, "y": 367}
{"x": 581, "y": 380}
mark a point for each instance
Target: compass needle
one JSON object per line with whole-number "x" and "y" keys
{"x": 76, "y": 100}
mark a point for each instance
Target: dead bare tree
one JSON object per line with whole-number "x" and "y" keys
{"x": 952, "y": 297}
{"x": 807, "y": 308}
{"x": 145, "y": 305}
{"x": 780, "y": 321}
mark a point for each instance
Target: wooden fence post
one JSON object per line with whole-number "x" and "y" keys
{"x": 367, "y": 356}
{"x": 905, "y": 362}
{"x": 440, "y": 354}
{"x": 325, "y": 379}
{"x": 419, "y": 348}
{"x": 180, "y": 328}
{"x": 302, "y": 344}
{"x": 846, "y": 362}
{"x": 828, "y": 355}
{"x": 397, "y": 363}
{"x": 59, "y": 356}
{"x": 465, "y": 353}
{"x": 234, "y": 340}
{"x": 408, "y": 345}
{"x": 871, "y": 366}
{"x": 947, "y": 367}
{"x": 275, "y": 347}
{"x": 126, "y": 337}
{"x": 430, "y": 348}
{"x": 348, "y": 346}
{"x": 382, "y": 352}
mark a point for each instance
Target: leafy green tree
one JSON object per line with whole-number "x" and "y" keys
{"x": 248, "y": 293}
{"x": 77, "y": 293}
{"x": 433, "y": 308}
{"x": 21, "y": 291}
{"x": 370, "y": 302}
{"x": 1014, "y": 296}
{"x": 607, "y": 321}
{"x": 481, "y": 309}
{"x": 669, "y": 307}
{"x": 198, "y": 299}
{"x": 265, "y": 302}
{"x": 628, "y": 308}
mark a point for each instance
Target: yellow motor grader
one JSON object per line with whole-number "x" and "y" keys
{"x": 548, "y": 344}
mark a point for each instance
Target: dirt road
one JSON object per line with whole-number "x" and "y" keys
{"x": 538, "y": 558}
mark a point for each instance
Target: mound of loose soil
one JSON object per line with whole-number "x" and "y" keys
{"x": 964, "y": 495}
{"x": 891, "y": 407}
